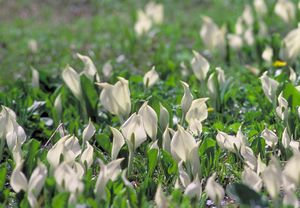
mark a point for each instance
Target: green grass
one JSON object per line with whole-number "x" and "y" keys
{"x": 104, "y": 30}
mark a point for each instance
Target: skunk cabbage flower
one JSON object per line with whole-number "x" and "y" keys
{"x": 150, "y": 78}
{"x": 58, "y": 105}
{"x": 282, "y": 109}
{"x": 89, "y": 68}
{"x": 235, "y": 41}
{"x": 164, "y": 117}
{"x": 118, "y": 142}
{"x": 116, "y": 98}
{"x": 194, "y": 189}
{"x": 107, "y": 69}
{"x": 214, "y": 190}
{"x": 33, "y": 187}
{"x": 167, "y": 135}
{"x": 291, "y": 45}
{"x": 143, "y": 24}
{"x": 286, "y": 10}
{"x": 229, "y": 142}
{"x": 88, "y": 132}
{"x": 269, "y": 86}
{"x": 107, "y": 172}
{"x": 270, "y": 137}
{"x": 212, "y": 36}
{"x": 286, "y": 140}
{"x": 155, "y": 12}
{"x": 68, "y": 179}
{"x": 187, "y": 98}
{"x": 182, "y": 144}
{"x": 260, "y": 7}
{"x": 272, "y": 178}
{"x": 68, "y": 146}
{"x": 252, "y": 179}
{"x": 10, "y": 129}
{"x": 200, "y": 66}
{"x": 267, "y": 54}
{"x": 196, "y": 114}
{"x": 35, "y": 79}
{"x": 87, "y": 155}
{"x": 249, "y": 157}
{"x": 72, "y": 80}
{"x": 160, "y": 199}
{"x": 292, "y": 168}
{"x": 133, "y": 131}
{"x": 247, "y": 16}
{"x": 149, "y": 120}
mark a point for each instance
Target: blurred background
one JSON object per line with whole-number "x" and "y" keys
{"x": 47, "y": 34}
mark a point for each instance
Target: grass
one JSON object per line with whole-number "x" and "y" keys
{"x": 104, "y": 30}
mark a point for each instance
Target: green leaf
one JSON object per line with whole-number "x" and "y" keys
{"x": 245, "y": 195}
{"x": 292, "y": 95}
{"x": 152, "y": 160}
{"x": 3, "y": 172}
{"x": 90, "y": 96}
{"x": 61, "y": 200}
{"x": 32, "y": 147}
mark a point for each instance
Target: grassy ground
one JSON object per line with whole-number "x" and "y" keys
{"x": 104, "y": 30}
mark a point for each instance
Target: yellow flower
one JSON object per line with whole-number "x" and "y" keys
{"x": 210, "y": 109}
{"x": 279, "y": 63}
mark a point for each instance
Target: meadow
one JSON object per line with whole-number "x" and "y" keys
{"x": 149, "y": 104}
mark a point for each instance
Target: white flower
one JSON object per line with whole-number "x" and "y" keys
{"x": 260, "y": 7}
{"x": 72, "y": 80}
{"x": 272, "y": 178}
{"x": 88, "y": 132}
{"x": 235, "y": 41}
{"x": 143, "y": 23}
{"x": 196, "y": 114}
{"x": 228, "y": 142}
{"x": 133, "y": 131}
{"x": 167, "y": 135}
{"x": 200, "y": 66}
{"x": 212, "y": 36}
{"x": 107, "y": 69}
{"x": 155, "y": 12}
{"x": 68, "y": 179}
{"x": 89, "y": 68}
{"x": 182, "y": 144}
{"x": 214, "y": 190}
{"x": 187, "y": 98}
{"x": 150, "y": 78}
{"x": 160, "y": 199}
{"x": 68, "y": 146}
{"x": 107, "y": 172}
{"x": 290, "y": 49}
{"x": 194, "y": 189}
{"x": 10, "y": 129}
{"x": 116, "y": 98}
{"x": 164, "y": 117}
{"x": 269, "y": 86}
{"x": 286, "y": 10}
{"x": 252, "y": 179}
{"x": 58, "y": 105}
{"x": 87, "y": 155}
{"x": 18, "y": 182}
{"x": 118, "y": 142}
{"x": 292, "y": 168}
{"x": 149, "y": 120}
{"x": 285, "y": 139}
{"x": 270, "y": 137}
{"x": 35, "y": 79}
{"x": 267, "y": 54}
{"x": 282, "y": 108}
{"x": 248, "y": 155}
